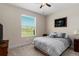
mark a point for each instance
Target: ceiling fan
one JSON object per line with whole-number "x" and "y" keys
{"x": 47, "y": 4}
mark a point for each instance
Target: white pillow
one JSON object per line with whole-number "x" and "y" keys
{"x": 66, "y": 36}
{"x": 52, "y": 35}
{"x": 59, "y": 35}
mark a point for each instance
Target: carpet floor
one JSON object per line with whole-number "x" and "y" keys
{"x": 30, "y": 51}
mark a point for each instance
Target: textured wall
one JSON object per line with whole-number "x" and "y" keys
{"x": 10, "y": 18}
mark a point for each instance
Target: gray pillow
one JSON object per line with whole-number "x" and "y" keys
{"x": 58, "y": 35}
{"x": 61, "y": 35}
{"x": 52, "y": 36}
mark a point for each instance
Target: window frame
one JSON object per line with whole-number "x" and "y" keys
{"x": 35, "y": 25}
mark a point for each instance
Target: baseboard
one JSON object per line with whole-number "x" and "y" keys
{"x": 20, "y": 45}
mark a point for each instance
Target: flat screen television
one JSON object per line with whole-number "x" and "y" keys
{"x": 1, "y": 33}
{"x": 61, "y": 22}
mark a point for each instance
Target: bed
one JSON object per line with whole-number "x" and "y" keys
{"x": 52, "y": 46}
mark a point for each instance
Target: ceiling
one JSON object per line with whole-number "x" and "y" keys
{"x": 35, "y": 7}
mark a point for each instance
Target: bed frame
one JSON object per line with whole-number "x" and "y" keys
{"x": 45, "y": 53}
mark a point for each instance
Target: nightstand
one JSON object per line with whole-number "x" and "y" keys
{"x": 4, "y": 48}
{"x": 45, "y": 35}
{"x": 76, "y": 45}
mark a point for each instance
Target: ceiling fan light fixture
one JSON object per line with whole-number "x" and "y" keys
{"x": 48, "y": 4}
{"x": 43, "y": 4}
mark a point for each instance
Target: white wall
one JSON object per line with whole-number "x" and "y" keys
{"x": 72, "y": 15}
{"x": 10, "y": 18}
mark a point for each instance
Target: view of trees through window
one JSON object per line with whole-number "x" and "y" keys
{"x": 28, "y": 26}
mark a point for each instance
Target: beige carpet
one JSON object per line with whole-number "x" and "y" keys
{"x": 24, "y": 51}
{"x": 30, "y": 51}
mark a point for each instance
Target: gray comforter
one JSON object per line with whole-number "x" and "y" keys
{"x": 52, "y": 46}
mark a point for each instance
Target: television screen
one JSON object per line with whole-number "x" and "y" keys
{"x": 61, "y": 22}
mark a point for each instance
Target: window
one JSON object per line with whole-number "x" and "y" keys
{"x": 28, "y": 26}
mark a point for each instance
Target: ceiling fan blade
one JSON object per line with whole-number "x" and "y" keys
{"x": 41, "y": 6}
{"x": 48, "y": 5}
